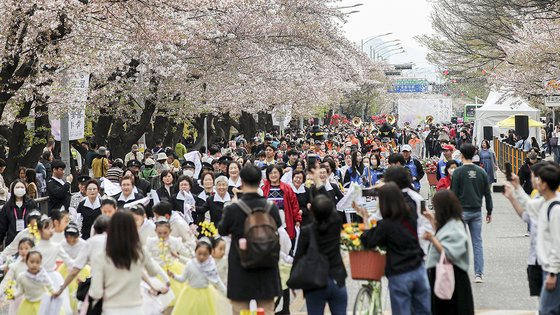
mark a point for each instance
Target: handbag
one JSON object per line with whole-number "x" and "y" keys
{"x": 83, "y": 288}
{"x": 554, "y": 141}
{"x": 311, "y": 271}
{"x": 445, "y": 278}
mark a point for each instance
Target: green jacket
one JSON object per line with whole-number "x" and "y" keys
{"x": 147, "y": 173}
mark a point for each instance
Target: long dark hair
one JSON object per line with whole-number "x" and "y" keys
{"x": 12, "y": 199}
{"x": 355, "y": 166}
{"x": 447, "y": 207}
{"x": 123, "y": 242}
{"x": 391, "y": 202}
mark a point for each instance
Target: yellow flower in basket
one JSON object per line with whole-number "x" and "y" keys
{"x": 356, "y": 242}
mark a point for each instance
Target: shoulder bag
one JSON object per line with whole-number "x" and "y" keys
{"x": 311, "y": 271}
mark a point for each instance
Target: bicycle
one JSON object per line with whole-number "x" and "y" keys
{"x": 368, "y": 299}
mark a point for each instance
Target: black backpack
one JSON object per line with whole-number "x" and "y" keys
{"x": 261, "y": 234}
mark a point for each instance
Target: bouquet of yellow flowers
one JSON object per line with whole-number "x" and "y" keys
{"x": 350, "y": 236}
{"x": 34, "y": 231}
{"x": 208, "y": 229}
{"x": 165, "y": 254}
{"x": 9, "y": 290}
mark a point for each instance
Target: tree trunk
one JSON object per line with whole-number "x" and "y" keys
{"x": 246, "y": 126}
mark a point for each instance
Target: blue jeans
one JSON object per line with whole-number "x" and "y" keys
{"x": 410, "y": 291}
{"x": 473, "y": 219}
{"x": 550, "y": 300}
{"x": 336, "y": 296}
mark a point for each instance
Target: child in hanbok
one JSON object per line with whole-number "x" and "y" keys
{"x": 8, "y": 284}
{"x": 197, "y": 297}
{"x": 34, "y": 285}
{"x": 73, "y": 245}
{"x": 169, "y": 252}
{"x": 30, "y": 231}
{"x": 51, "y": 251}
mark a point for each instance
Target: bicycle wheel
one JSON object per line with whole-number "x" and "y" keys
{"x": 362, "y": 304}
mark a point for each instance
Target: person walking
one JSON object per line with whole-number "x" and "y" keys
{"x": 488, "y": 160}
{"x": 3, "y": 189}
{"x": 14, "y": 216}
{"x": 451, "y": 240}
{"x": 470, "y": 184}
{"x": 326, "y": 227}
{"x": 408, "y": 282}
{"x": 243, "y": 285}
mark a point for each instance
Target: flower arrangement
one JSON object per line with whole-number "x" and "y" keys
{"x": 9, "y": 290}
{"x": 165, "y": 254}
{"x": 34, "y": 231}
{"x": 429, "y": 165}
{"x": 208, "y": 229}
{"x": 350, "y": 236}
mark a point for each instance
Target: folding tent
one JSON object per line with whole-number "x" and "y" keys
{"x": 500, "y": 105}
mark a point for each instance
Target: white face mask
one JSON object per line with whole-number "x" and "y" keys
{"x": 19, "y": 192}
{"x": 188, "y": 173}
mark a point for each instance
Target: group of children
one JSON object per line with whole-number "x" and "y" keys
{"x": 50, "y": 250}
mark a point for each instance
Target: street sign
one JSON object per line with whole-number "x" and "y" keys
{"x": 552, "y": 101}
{"x": 410, "y": 86}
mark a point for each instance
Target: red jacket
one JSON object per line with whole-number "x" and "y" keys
{"x": 291, "y": 206}
{"x": 444, "y": 183}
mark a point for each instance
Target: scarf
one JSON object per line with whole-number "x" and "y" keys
{"x": 208, "y": 268}
{"x": 299, "y": 190}
{"x": 41, "y": 277}
{"x": 188, "y": 204}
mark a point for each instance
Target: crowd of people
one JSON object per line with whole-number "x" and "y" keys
{"x": 207, "y": 231}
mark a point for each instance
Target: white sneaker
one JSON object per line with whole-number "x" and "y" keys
{"x": 478, "y": 279}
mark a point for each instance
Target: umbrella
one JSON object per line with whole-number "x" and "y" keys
{"x": 510, "y": 122}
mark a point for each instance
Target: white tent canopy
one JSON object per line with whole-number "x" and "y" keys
{"x": 498, "y": 106}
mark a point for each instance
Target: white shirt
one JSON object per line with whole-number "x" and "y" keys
{"x": 50, "y": 252}
{"x": 423, "y": 224}
{"x": 73, "y": 251}
{"x": 234, "y": 184}
{"x": 94, "y": 245}
{"x": 548, "y": 235}
{"x": 58, "y": 180}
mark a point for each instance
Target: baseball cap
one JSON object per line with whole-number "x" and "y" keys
{"x": 448, "y": 147}
{"x": 406, "y": 147}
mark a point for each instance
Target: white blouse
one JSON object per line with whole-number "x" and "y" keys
{"x": 50, "y": 252}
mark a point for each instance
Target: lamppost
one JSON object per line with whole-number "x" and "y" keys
{"x": 365, "y": 41}
{"x": 391, "y": 52}
{"x": 372, "y": 49}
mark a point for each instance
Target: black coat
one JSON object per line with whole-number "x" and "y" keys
{"x": 303, "y": 199}
{"x": 59, "y": 195}
{"x": 164, "y": 195}
{"x": 88, "y": 217}
{"x": 216, "y": 210}
{"x": 120, "y": 203}
{"x": 144, "y": 187}
{"x": 8, "y": 220}
{"x": 243, "y": 284}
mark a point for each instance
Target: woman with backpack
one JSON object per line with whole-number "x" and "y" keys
{"x": 397, "y": 234}
{"x": 324, "y": 234}
{"x": 100, "y": 164}
{"x": 450, "y": 239}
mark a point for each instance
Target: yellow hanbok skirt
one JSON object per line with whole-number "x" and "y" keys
{"x": 196, "y": 301}
{"x": 29, "y": 308}
{"x": 73, "y": 286}
{"x": 175, "y": 286}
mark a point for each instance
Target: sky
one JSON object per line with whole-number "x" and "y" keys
{"x": 403, "y": 18}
